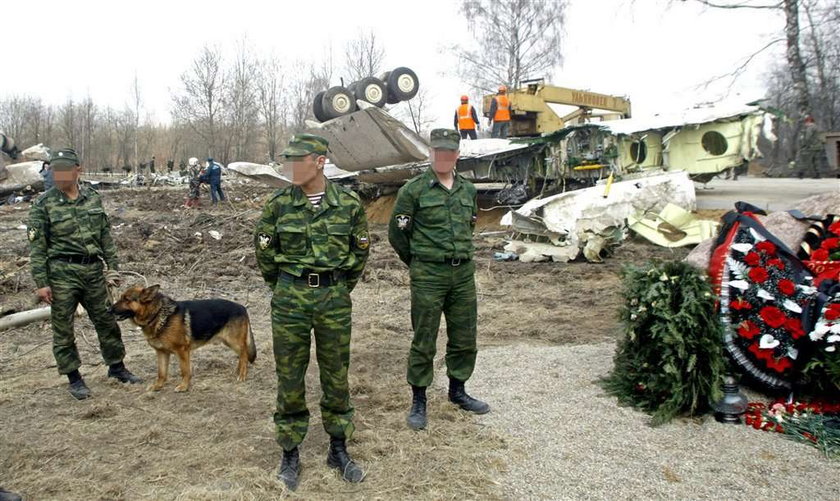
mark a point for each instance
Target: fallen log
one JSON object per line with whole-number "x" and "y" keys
{"x": 24, "y": 318}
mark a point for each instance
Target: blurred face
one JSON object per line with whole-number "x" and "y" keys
{"x": 303, "y": 170}
{"x": 443, "y": 161}
{"x": 65, "y": 179}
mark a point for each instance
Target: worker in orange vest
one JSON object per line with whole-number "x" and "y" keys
{"x": 500, "y": 114}
{"x": 466, "y": 120}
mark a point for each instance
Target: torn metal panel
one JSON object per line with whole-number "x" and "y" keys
{"x": 672, "y": 227}
{"x": 22, "y": 176}
{"x": 575, "y": 218}
{"x": 371, "y": 138}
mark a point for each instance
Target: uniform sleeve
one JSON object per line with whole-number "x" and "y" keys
{"x": 265, "y": 243}
{"x": 360, "y": 246}
{"x": 456, "y": 120}
{"x": 401, "y": 224}
{"x": 493, "y": 106}
{"x": 474, "y": 115}
{"x": 108, "y": 247}
{"x": 37, "y": 233}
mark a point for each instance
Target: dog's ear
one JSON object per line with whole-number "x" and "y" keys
{"x": 149, "y": 293}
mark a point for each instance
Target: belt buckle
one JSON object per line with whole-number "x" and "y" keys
{"x": 313, "y": 283}
{"x": 455, "y": 262}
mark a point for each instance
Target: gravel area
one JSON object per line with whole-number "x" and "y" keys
{"x": 571, "y": 441}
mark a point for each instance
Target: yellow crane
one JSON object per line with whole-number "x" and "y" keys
{"x": 532, "y": 112}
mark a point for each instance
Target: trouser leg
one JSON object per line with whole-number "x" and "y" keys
{"x": 95, "y": 300}
{"x": 461, "y": 311}
{"x": 332, "y": 322}
{"x": 429, "y": 286}
{"x": 291, "y": 324}
{"x": 66, "y": 290}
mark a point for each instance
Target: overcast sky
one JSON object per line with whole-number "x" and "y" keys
{"x": 655, "y": 52}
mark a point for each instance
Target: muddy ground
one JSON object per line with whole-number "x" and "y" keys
{"x": 216, "y": 442}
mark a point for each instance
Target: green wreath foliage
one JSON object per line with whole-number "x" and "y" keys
{"x": 670, "y": 361}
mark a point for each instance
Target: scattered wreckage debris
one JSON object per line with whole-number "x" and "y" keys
{"x": 673, "y": 226}
{"x": 563, "y": 226}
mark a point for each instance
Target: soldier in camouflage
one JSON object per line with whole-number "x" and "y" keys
{"x": 431, "y": 230}
{"x": 311, "y": 245}
{"x": 69, "y": 239}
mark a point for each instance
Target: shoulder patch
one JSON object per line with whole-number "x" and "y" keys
{"x": 264, "y": 240}
{"x": 362, "y": 241}
{"x": 32, "y": 233}
{"x": 403, "y": 221}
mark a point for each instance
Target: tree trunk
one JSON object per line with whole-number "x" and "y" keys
{"x": 797, "y": 71}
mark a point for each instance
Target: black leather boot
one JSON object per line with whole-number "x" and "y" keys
{"x": 458, "y": 396}
{"x": 338, "y": 458}
{"x": 121, "y": 374}
{"x": 417, "y": 415}
{"x": 290, "y": 469}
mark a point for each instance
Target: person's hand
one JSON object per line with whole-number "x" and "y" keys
{"x": 113, "y": 278}
{"x": 45, "y": 294}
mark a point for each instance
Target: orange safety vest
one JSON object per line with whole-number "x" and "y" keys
{"x": 465, "y": 119}
{"x": 502, "y": 109}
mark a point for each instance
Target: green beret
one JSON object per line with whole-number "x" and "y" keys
{"x": 65, "y": 158}
{"x": 305, "y": 144}
{"x": 445, "y": 139}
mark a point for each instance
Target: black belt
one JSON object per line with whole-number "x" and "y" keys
{"x": 78, "y": 259}
{"x": 451, "y": 261}
{"x": 315, "y": 279}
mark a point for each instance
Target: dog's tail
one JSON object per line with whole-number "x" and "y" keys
{"x": 252, "y": 346}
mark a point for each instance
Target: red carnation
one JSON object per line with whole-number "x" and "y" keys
{"x": 819, "y": 255}
{"x": 740, "y": 304}
{"x": 752, "y": 259}
{"x": 835, "y": 228}
{"x": 766, "y": 247}
{"x": 772, "y": 316}
{"x": 748, "y": 330}
{"x": 786, "y": 287}
{"x": 832, "y": 312}
{"x": 758, "y": 275}
{"x": 830, "y": 243}
{"x": 779, "y": 364}
{"x": 776, "y": 262}
{"x": 794, "y": 326}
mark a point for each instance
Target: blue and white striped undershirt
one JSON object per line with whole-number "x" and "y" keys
{"x": 315, "y": 199}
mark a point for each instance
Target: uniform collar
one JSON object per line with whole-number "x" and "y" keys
{"x": 330, "y": 195}
{"x": 432, "y": 180}
{"x": 83, "y": 193}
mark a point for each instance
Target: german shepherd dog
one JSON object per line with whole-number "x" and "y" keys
{"x": 181, "y": 326}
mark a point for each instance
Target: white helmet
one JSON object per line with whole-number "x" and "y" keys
{"x": 193, "y": 161}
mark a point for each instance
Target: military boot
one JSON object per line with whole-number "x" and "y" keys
{"x": 458, "y": 396}
{"x": 77, "y": 386}
{"x": 8, "y": 496}
{"x": 290, "y": 468}
{"x": 417, "y": 415}
{"x": 121, "y": 374}
{"x": 338, "y": 458}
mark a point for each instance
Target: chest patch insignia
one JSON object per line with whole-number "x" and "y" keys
{"x": 403, "y": 221}
{"x": 264, "y": 240}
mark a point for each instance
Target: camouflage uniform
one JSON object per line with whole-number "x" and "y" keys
{"x": 431, "y": 230}
{"x": 311, "y": 258}
{"x": 68, "y": 240}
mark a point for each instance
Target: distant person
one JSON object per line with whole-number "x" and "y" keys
{"x": 152, "y": 165}
{"x": 69, "y": 240}
{"x": 194, "y": 193}
{"x": 170, "y": 164}
{"x": 466, "y": 120}
{"x": 500, "y": 114}
{"x": 47, "y": 173}
{"x": 213, "y": 177}
{"x": 182, "y": 168}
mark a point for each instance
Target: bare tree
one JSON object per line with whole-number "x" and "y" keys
{"x": 241, "y": 101}
{"x": 135, "y": 95}
{"x": 270, "y": 84}
{"x": 199, "y": 103}
{"x": 364, "y": 56}
{"x": 415, "y": 112}
{"x": 517, "y": 40}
